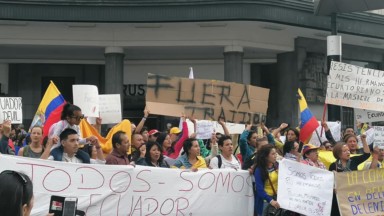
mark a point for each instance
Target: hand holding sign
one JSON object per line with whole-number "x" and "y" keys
{"x": 7, "y": 128}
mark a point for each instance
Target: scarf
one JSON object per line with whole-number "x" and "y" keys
{"x": 339, "y": 166}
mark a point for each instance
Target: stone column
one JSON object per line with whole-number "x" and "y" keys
{"x": 233, "y": 64}
{"x": 114, "y": 70}
{"x": 4, "y": 74}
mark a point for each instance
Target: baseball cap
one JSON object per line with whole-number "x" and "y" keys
{"x": 152, "y": 132}
{"x": 175, "y": 130}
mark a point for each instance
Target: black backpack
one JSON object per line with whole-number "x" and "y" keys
{"x": 249, "y": 161}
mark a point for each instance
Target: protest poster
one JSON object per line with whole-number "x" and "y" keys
{"x": 87, "y": 98}
{"x": 368, "y": 115}
{"x": 378, "y": 136}
{"x": 304, "y": 189}
{"x": 370, "y": 137}
{"x": 11, "y": 108}
{"x": 206, "y": 99}
{"x": 334, "y": 127}
{"x": 204, "y": 129}
{"x": 360, "y": 192}
{"x": 140, "y": 190}
{"x": 110, "y": 108}
{"x": 356, "y": 87}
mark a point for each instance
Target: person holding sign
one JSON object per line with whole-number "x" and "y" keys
{"x": 70, "y": 118}
{"x": 153, "y": 156}
{"x": 377, "y": 159}
{"x": 345, "y": 163}
{"x": 266, "y": 177}
{"x": 191, "y": 158}
{"x": 5, "y": 129}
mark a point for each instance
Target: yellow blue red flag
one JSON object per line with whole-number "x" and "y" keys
{"x": 308, "y": 120}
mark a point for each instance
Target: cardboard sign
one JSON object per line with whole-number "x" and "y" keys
{"x": 304, "y": 189}
{"x": 110, "y": 108}
{"x": 379, "y": 136}
{"x": 87, "y": 98}
{"x": 368, "y": 115}
{"x": 360, "y": 192}
{"x": 140, "y": 190}
{"x": 11, "y": 108}
{"x": 357, "y": 87}
{"x": 334, "y": 127}
{"x": 206, "y": 99}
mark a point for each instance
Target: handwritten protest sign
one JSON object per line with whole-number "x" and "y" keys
{"x": 379, "y": 136}
{"x": 11, "y": 108}
{"x": 368, "y": 115}
{"x": 110, "y": 108}
{"x": 140, "y": 190}
{"x": 305, "y": 189}
{"x": 357, "y": 87}
{"x": 360, "y": 192}
{"x": 334, "y": 127}
{"x": 233, "y": 128}
{"x": 204, "y": 129}
{"x": 206, "y": 99}
{"x": 87, "y": 98}
{"x": 370, "y": 137}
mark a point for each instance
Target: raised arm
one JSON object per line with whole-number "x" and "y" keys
{"x": 328, "y": 133}
{"x": 141, "y": 124}
{"x": 180, "y": 142}
{"x": 279, "y": 129}
{"x": 222, "y": 123}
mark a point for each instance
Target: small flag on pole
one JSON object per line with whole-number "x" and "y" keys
{"x": 191, "y": 73}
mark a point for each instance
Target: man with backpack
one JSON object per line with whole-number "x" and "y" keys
{"x": 226, "y": 160}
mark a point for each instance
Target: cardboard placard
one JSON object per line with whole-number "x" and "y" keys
{"x": 206, "y": 99}
{"x": 11, "y": 108}
{"x": 87, "y": 98}
{"x": 357, "y": 87}
{"x": 360, "y": 192}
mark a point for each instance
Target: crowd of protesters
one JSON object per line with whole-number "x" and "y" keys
{"x": 261, "y": 149}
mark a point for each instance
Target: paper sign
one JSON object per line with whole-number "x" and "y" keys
{"x": 368, "y": 115}
{"x": 305, "y": 189}
{"x": 110, "y": 108}
{"x": 379, "y": 136}
{"x": 360, "y": 192}
{"x": 357, "y": 87}
{"x": 206, "y": 99}
{"x": 11, "y": 108}
{"x": 370, "y": 137}
{"x": 87, "y": 98}
{"x": 140, "y": 190}
{"x": 204, "y": 129}
{"x": 233, "y": 128}
{"x": 334, "y": 127}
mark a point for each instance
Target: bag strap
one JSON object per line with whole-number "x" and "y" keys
{"x": 273, "y": 188}
{"x": 219, "y": 161}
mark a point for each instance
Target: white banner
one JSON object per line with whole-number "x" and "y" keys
{"x": 11, "y": 108}
{"x": 357, "y": 87}
{"x": 125, "y": 190}
{"x": 110, "y": 108}
{"x": 233, "y": 128}
{"x": 368, "y": 116}
{"x": 305, "y": 189}
{"x": 379, "y": 136}
{"x": 87, "y": 98}
{"x": 334, "y": 127}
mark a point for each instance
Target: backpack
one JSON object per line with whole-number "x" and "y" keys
{"x": 249, "y": 161}
{"x": 220, "y": 161}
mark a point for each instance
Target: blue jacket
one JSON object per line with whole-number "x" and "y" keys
{"x": 247, "y": 150}
{"x": 260, "y": 194}
{"x": 57, "y": 154}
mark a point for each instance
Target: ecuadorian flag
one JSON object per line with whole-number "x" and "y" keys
{"x": 308, "y": 120}
{"x": 50, "y": 109}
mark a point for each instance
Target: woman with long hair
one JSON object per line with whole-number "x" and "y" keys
{"x": 153, "y": 156}
{"x": 191, "y": 158}
{"x": 266, "y": 176}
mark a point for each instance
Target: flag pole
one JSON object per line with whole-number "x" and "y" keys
{"x": 323, "y": 119}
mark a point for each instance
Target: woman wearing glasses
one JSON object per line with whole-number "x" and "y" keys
{"x": 16, "y": 194}
{"x": 70, "y": 118}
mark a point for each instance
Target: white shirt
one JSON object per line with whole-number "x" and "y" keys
{"x": 74, "y": 159}
{"x": 225, "y": 164}
{"x": 58, "y": 127}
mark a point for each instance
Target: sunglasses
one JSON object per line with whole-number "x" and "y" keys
{"x": 21, "y": 178}
{"x": 78, "y": 117}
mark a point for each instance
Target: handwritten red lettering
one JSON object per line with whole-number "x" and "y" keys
{"x": 212, "y": 181}
{"x": 161, "y": 208}
{"x": 242, "y": 183}
{"x": 120, "y": 181}
{"x": 56, "y": 179}
{"x": 93, "y": 179}
{"x": 142, "y": 179}
{"x": 181, "y": 176}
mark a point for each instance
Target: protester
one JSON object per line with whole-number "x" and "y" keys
{"x": 153, "y": 134}
{"x": 311, "y": 156}
{"x": 153, "y": 156}
{"x": 266, "y": 177}
{"x": 35, "y": 149}
{"x": 139, "y": 128}
{"x": 5, "y": 130}
{"x": 326, "y": 146}
{"x": 226, "y": 159}
{"x": 138, "y": 146}
{"x": 377, "y": 159}
{"x": 247, "y": 142}
{"x": 120, "y": 143}
{"x": 351, "y": 141}
{"x": 68, "y": 151}
{"x": 291, "y": 151}
{"x": 191, "y": 158}
{"x": 91, "y": 150}
{"x": 328, "y": 133}
{"x": 70, "y": 118}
